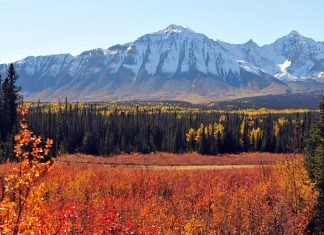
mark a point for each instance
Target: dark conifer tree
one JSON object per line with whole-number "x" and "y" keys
{"x": 10, "y": 99}
{"x": 314, "y": 162}
{"x": 203, "y": 146}
{"x": 245, "y": 138}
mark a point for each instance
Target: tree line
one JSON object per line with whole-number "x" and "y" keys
{"x": 93, "y": 130}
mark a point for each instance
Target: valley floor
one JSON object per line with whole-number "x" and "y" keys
{"x": 82, "y": 194}
{"x": 163, "y": 160}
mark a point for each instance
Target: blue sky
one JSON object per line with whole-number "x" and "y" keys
{"x": 41, "y": 27}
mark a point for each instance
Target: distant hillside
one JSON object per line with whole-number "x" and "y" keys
{"x": 287, "y": 101}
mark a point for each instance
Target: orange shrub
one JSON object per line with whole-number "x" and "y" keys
{"x": 24, "y": 207}
{"x": 21, "y": 205}
{"x": 277, "y": 200}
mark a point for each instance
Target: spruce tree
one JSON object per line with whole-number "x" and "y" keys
{"x": 203, "y": 146}
{"x": 11, "y": 100}
{"x": 314, "y": 162}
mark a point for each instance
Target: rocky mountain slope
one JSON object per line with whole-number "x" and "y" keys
{"x": 176, "y": 64}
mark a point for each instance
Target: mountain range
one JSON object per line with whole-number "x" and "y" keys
{"x": 176, "y": 63}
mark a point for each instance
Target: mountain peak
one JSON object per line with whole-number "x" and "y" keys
{"x": 292, "y": 38}
{"x": 251, "y": 43}
{"x": 294, "y": 33}
{"x": 173, "y": 28}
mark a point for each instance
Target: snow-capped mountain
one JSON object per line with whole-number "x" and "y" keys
{"x": 174, "y": 63}
{"x": 302, "y": 58}
{"x": 292, "y": 57}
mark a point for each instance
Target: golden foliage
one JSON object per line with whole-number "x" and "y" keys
{"x": 218, "y": 130}
{"x": 21, "y": 203}
{"x": 255, "y": 134}
{"x": 109, "y": 107}
{"x": 190, "y": 135}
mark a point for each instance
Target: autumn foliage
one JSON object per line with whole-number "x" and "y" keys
{"x": 278, "y": 200}
{"x": 24, "y": 207}
{"x": 91, "y": 199}
{"x": 21, "y": 205}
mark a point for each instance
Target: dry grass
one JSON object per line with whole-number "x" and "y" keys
{"x": 186, "y": 160}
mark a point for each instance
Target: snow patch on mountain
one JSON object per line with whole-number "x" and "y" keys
{"x": 284, "y": 75}
{"x": 320, "y": 76}
{"x": 249, "y": 68}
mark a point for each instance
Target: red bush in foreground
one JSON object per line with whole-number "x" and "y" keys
{"x": 278, "y": 200}
{"x": 23, "y": 200}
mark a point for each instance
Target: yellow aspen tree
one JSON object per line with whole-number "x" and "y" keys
{"x": 242, "y": 127}
{"x": 218, "y": 129}
{"x": 190, "y": 135}
{"x": 199, "y": 134}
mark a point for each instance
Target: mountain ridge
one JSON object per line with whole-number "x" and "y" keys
{"x": 176, "y": 63}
